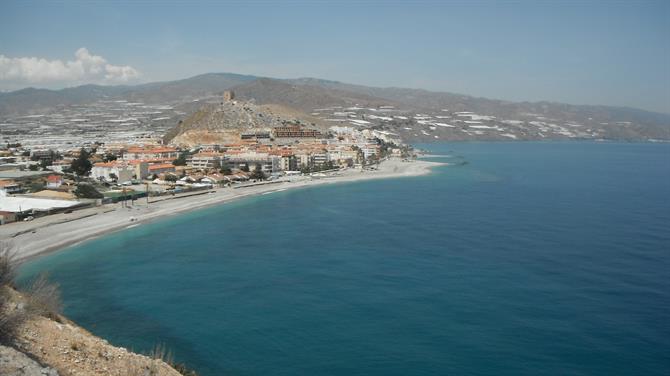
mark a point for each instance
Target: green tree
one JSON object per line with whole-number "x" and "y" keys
{"x": 258, "y": 173}
{"x": 225, "y": 168}
{"x": 81, "y": 165}
{"x": 360, "y": 156}
{"x": 181, "y": 160}
{"x": 36, "y": 186}
{"x": 87, "y": 191}
{"x": 109, "y": 157}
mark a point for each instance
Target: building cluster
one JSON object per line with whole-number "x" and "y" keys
{"x": 37, "y": 180}
{"x": 292, "y": 148}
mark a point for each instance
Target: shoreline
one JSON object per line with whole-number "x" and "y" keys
{"x": 45, "y": 235}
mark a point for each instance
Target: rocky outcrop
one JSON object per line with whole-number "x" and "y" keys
{"x": 73, "y": 351}
{"x": 38, "y": 343}
{"x": 16, "y": 363}
{"x": 223, "y": 122}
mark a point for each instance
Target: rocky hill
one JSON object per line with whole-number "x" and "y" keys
{"x": 217, "y": 123}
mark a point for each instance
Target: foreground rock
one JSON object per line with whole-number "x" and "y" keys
{"x": 15, "y": 363}
{"x": 73, "y": 351}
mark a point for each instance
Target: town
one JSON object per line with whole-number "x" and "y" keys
{"x": 60, "y": 176}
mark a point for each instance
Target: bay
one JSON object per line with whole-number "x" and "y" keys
{"x": 517, "y": 259}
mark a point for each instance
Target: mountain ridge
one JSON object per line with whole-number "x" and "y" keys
{"x": 313, "y": 81}
{"x": 308, "y": 94}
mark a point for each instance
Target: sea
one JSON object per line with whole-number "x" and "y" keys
{"x": 519, "y": 258}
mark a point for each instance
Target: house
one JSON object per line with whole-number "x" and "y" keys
{"x": 288, "y": 163}
{"x": 268, "y": 163}
{"x": 7, "y": 217}
{"x": 255, "y": 135}
{"x": 161, "y": 168}
{"x": 295, "y": 131}
{"x": 54, "y": 181}
{"x": 106, "y": 171}
{"x": 213, "y": 179}
{"x": 46, "y": 156}
{"x": 319, "y": 158}
{"x": 151, "y": 153}
{"x": 59, "y": 166}
{"x": 205, "y": 160}
{"x": 141, "y": 169}
{"x": 369, "y": 150}
{"x": 10, "y": 186}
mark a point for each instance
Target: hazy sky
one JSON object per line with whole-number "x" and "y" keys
{"x": 600, "y": 52}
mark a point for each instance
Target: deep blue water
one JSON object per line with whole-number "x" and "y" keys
{"x": 533, "y": 258}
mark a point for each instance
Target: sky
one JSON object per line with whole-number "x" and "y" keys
{"x": 580, "y": 52}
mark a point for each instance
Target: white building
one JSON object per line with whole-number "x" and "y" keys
{"x": 124, "y": 172}
{"x": 204, "y": 160}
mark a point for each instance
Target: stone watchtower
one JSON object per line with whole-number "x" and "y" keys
{"x": 228, "y": 95}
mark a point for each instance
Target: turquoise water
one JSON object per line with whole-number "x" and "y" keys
{"x": 533, "y": 258}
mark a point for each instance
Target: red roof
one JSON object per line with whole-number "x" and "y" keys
{"x": 161, "y": 166}
{"x": 151, "y": 150}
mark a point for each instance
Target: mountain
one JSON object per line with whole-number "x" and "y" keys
{"x": 414, "y": 114}
{"x": 31, "y": 100}
{"x": 204, "y": 85}
{"x": 305, "y": 97}
{"x": 424, "y": 99}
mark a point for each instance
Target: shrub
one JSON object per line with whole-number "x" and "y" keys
{"x": 258, "y": 173}
{"x": 81, "y": 165}
{"x": 181, "y": 160}
{"x": 11, "y": 316}
{"x": 87, "y": 191}
{"x": 160, "y": 352}
{"x": 7, "y": 266}
{"x": 43, "y": 298}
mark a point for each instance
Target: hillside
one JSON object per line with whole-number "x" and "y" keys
{"x": 304, "y": 97}
{"x": 222, "y": 122}
{"x": 197, "y": 87}
{"x": 34, "y": 341}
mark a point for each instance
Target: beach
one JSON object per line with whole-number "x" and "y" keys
{"x": 51, "y": 233}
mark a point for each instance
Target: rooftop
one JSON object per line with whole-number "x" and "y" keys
{"x": 14, "y": 174}
{"x": 19, "y": 204}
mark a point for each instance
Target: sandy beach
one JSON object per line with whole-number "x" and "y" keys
{"x": 54, "y": 232}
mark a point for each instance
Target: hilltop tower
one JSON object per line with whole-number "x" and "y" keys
{"x": 228, "y": 95}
